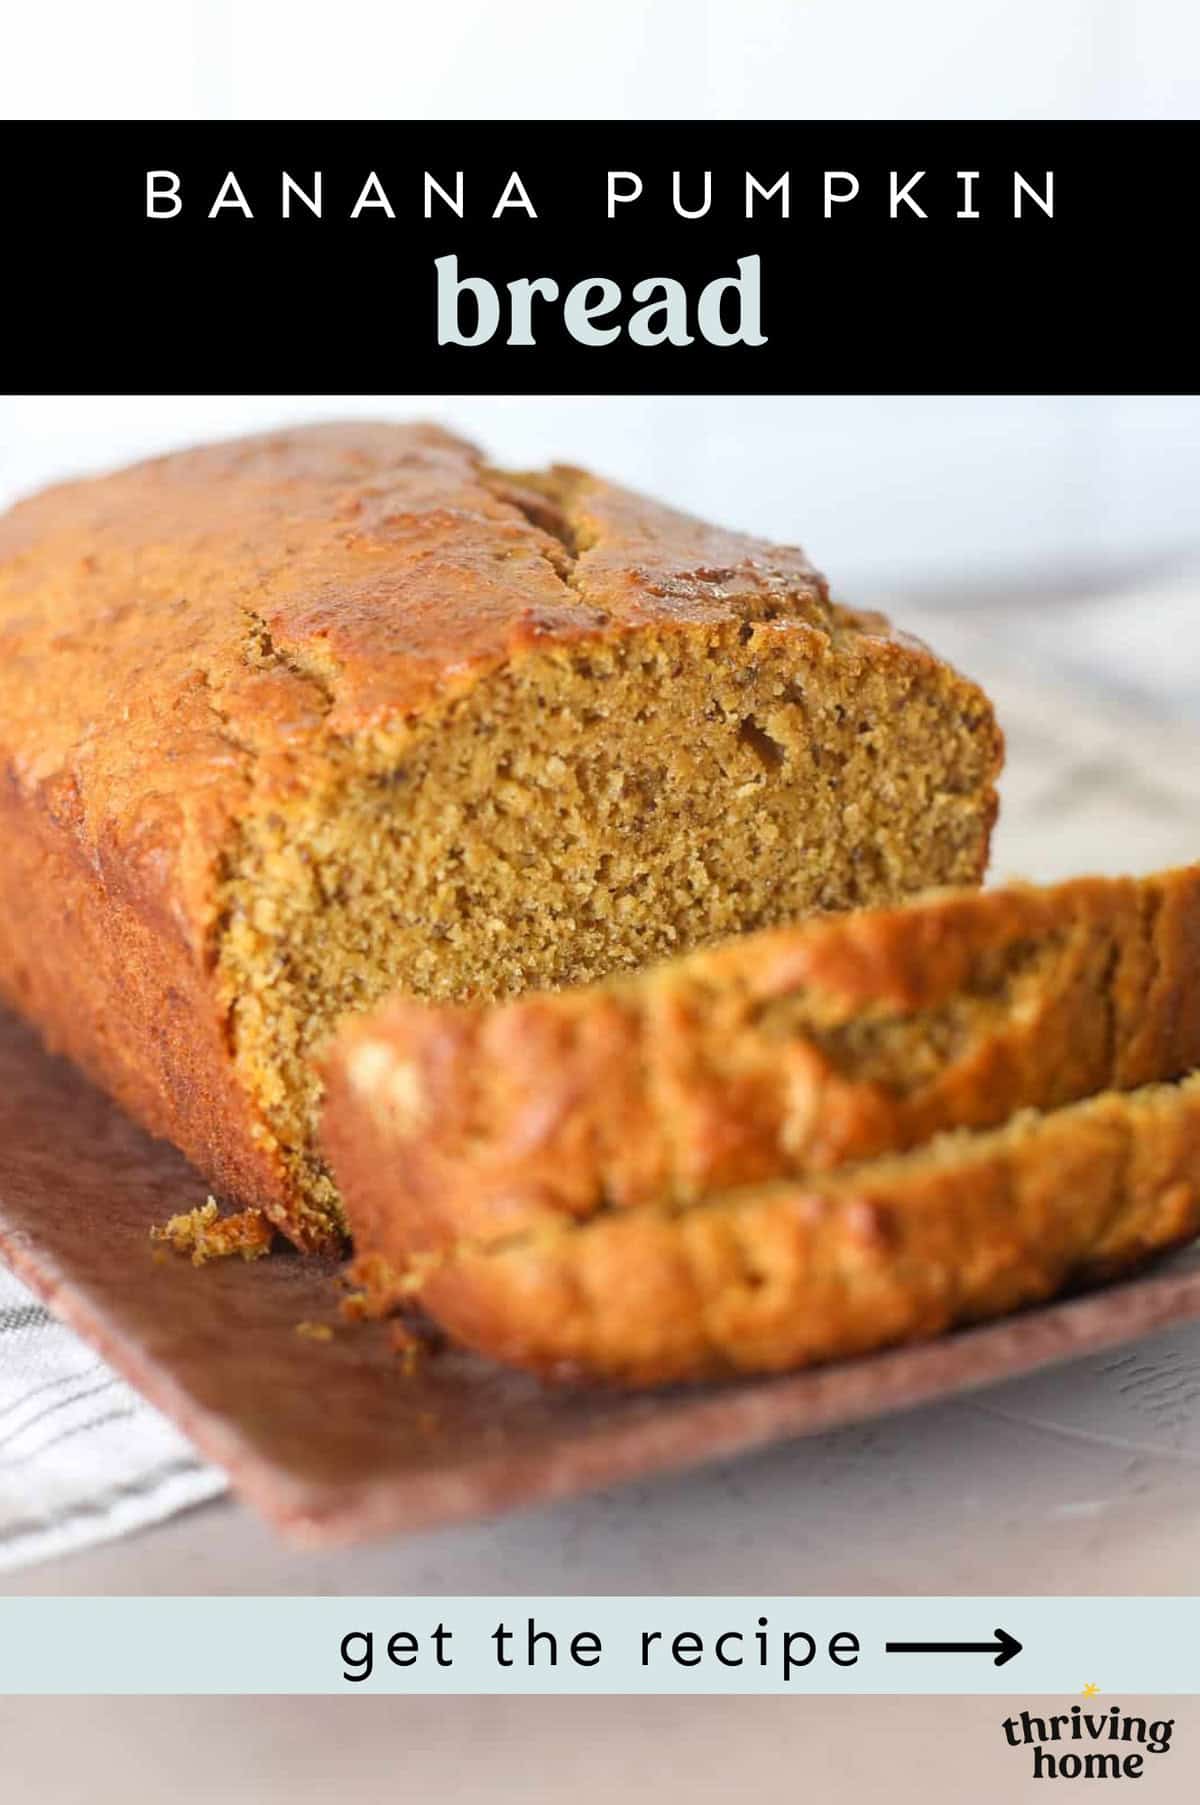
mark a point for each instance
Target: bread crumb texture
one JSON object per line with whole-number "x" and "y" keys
{"x": 207, "y": 1235}
{"x": 297, "y": 721}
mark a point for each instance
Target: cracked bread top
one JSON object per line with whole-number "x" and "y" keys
{"x": 161, "y": 660}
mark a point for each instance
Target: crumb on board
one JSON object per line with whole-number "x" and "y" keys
{"x": 314, "y": 1331}
{"x": 366, "y": 1298}
{"x": 370, "y": 1286}
{"x": 375, "y": 1289}
{"x": 375, "y": 1292}
{"x": 207, "y": 1235}
{"x": 372, "y": 1305}
{"x": 360, "y": 1306}
{"x": 405, "y": 1343}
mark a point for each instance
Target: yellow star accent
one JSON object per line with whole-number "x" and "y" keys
{"x": 1091, "y": 1689}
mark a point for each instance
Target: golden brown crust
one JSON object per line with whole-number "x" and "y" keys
{"x": 110, "y": 986}
{"x": 794, "y": 1274}
{"x": 188, "y": 644}
{"x": 795, "y": 1050}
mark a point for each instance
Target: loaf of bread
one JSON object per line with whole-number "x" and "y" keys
{"x": 801, "y": 1271}
{"x": 791, "y": 1051}
{"x": 290, "y": 723}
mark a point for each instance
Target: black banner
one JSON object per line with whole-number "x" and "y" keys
{"x": 649, "y": 257}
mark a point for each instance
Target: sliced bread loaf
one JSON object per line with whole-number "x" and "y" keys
{"x": 798, "y": 1272}
{"x": 792, "y": 1051}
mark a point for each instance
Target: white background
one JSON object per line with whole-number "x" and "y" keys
{"x": 786, "y": 59}
{"x": 889, "y": 495}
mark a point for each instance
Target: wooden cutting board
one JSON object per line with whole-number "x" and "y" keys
{"x": 333, "y": 1439}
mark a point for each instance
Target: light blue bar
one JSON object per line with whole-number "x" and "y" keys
{"x": 294, "y": 1645}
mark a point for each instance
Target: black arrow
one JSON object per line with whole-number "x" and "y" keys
{"x": 1003, "y": 1648}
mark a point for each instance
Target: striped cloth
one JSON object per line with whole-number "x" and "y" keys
{"x": 82, "y": 1456}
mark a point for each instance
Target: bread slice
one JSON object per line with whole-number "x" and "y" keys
{"x": 797, "y": 1272}
{"x": 290, "y": 723}
{"x": 792, "y": 1051}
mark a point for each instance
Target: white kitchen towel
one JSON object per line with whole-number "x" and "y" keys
{"x": 1094, "y": 780}
{"x": 82, "y": 1456}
